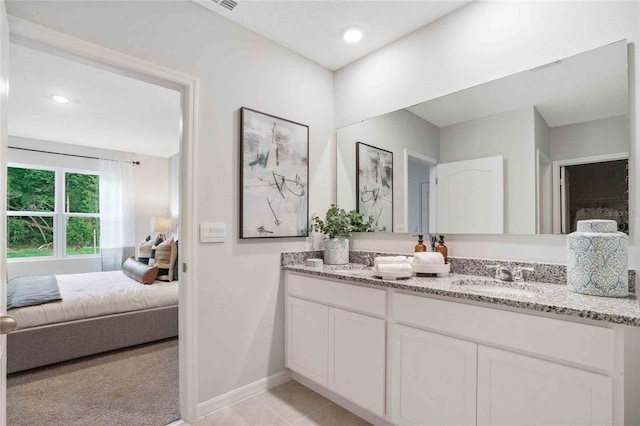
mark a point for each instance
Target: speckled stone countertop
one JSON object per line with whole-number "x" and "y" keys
{"x": 542, "y": 297}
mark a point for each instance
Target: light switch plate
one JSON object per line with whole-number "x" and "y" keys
{"x": 213, "y": 232}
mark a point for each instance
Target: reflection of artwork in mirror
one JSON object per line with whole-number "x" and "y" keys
{"x": 274, "y": 176}
{"x": 374, "y": 183}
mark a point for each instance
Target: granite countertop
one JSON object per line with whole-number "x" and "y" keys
{"x": 542, "y": 297}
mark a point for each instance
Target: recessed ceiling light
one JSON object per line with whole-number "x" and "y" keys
{"x": 60, "y": 99}
{"x": 352, "y": 34}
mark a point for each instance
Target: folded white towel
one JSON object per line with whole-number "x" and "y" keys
{"x": 428, "y": 258}
{"x": 394, "y": 267}
{"x": 390, "y": 259}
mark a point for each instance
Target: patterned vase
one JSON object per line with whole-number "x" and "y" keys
{"x": 336, "y": 251}
{"x": 597, "y": 259}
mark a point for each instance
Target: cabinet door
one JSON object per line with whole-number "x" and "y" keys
{"x": 357, "y": 354}
{"x": 434, "y": 379}
{"x": 308, "y": 337}
{"x": 519, "y": 390}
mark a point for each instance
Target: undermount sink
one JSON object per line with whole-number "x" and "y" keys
{"x": 353, "y": 270}
{"x": 498, "y": 287}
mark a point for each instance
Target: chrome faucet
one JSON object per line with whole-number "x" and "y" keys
{"x": 509, "y": 273}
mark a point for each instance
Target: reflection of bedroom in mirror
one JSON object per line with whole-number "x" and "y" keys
{"x": 498, "y": 150}
{"x": 92, "y": 244}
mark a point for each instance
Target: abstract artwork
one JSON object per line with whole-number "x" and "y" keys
{"x": 274, "y": 176}
{"x": 374, "y": 185}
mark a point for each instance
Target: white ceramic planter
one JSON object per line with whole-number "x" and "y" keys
{"x": 597, "y": 259}
{"x": 336, "y": 251}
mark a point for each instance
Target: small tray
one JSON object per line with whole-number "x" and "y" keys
{"x": 392, "y": 275}
{"x": 439, "y": 270}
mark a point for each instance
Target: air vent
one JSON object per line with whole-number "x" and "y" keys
{"x": 228, "y": 4}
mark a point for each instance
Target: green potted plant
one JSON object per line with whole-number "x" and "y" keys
{"x": 337, "y": 228}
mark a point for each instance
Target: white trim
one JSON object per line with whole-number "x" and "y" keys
{"x": 38, "y": 37}
{"x": 341, "y": 401}
{"x": 178, "y": 423}
{"x": 425, "y": 159}
{"x": 540, "y": 155}
{"x": 557, "y": 164}
{"x": 240, "y": 394}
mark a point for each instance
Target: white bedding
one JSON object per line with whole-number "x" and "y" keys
{"x": 96, "y": 294}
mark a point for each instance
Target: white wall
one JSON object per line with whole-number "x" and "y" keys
{"x": 393, "y": 132}
{"x": 174, "y": 185}
{"x": 598, "y": 137}
{"x": 478, "y": 43}
{"x": 543, "y": 134}
{"x": 511, "y": 135}
{"x": 150, "y": 188}
{"x": 240, "y": 293}
{"x": 417, "y": 174}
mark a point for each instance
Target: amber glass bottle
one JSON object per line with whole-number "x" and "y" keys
{"x": 420, "y": 247}
{"x": 442, "y": 249}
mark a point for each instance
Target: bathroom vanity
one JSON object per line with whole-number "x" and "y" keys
{"x": 463, "y": 349}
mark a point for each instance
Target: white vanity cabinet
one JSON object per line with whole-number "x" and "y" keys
{"x": 308, "y": 339}
{"x": 357, "y": 358}
{"x": 408, "y": 359}
{"x": 342, "y": 350}
{"x": 434, "y": 379}
{"x": 515, "y": 389}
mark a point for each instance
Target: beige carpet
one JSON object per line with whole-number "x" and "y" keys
{"x": 134, "y": 386}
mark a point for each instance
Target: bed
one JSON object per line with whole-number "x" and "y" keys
{"x": 99, "y": 312}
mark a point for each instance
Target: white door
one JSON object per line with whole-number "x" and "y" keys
{"x": 519, "y": 390}
{"x": 6, "y": 323}
{"x": 423, "y": 216}
{"x": 357, "y": 354}
{"x": 308, "y": 339}
{"x": 433, "y": 379}
{"x": 471, "y": 196}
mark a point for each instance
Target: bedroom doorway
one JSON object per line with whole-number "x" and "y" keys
{"x": 30, "y": 36}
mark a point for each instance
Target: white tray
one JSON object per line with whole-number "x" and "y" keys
{"x": 392, "y": 275}
{"x": 440, "y": 270}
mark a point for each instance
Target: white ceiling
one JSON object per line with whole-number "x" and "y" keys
{"x": 584, "y": 87}
{"x": 107, "y": 110}
{"x": 313, "y": 28}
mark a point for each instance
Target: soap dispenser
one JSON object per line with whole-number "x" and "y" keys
{"x": 442, "y": 249}
{"x": 420, "y": 247}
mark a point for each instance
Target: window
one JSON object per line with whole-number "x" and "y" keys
{"x": 52, "y": 212}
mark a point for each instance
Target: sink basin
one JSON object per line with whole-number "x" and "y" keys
{"x": 498, "y": 287}
{"x": 353, "y": 271}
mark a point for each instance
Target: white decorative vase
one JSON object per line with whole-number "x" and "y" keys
{"x": 597, "y": 259}
{"x": 336, "y": 251}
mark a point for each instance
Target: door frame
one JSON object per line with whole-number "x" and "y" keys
{"x": 35, "y": 36}
{"x": 541, "y": 156}
{"x": 557, "y": 193}
{"x": 431, "y": 162}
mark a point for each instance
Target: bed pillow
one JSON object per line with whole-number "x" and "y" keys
{"x": 139, "y": 271}
{"x": 145, "y": 251}
{"x": 165, "y": 255}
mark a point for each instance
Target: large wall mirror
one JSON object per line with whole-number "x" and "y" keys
{"x": 531, "y": 153}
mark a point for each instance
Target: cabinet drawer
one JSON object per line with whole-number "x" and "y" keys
{"x": 583, "y": 344}
{"x": 362, "y": 299}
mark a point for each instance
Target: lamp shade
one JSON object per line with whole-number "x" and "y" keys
{"x": 162, "y": 224}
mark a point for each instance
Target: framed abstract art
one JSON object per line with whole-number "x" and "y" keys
{"x": 374, "y": 185}
{"x": 274, "y": 176}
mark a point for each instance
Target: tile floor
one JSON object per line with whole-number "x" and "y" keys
{"x": 287, "y": 404}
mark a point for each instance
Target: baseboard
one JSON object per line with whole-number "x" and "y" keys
{"x": 341, "y": 401}
{"x": 178, "y": 423}
{"x": 207, "y": 407}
